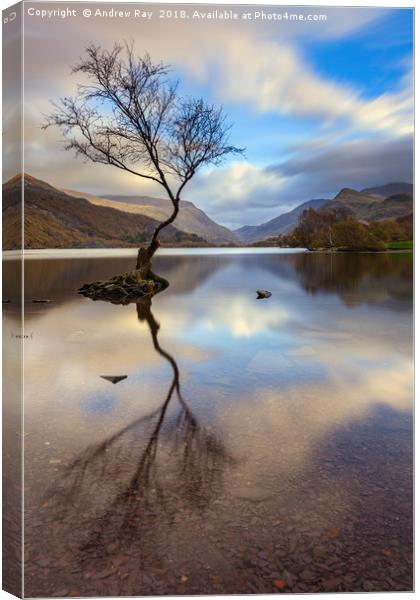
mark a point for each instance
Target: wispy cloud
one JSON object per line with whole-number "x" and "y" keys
{"x": 279, "y": 79}
{"x": 308, "y": 131}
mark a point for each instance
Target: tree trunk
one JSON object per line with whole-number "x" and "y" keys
{"x": 145, "y": 255}
{"x": 144, "y": 259}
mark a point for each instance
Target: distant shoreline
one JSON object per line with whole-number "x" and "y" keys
{"x": 132, "y": 252}
{"x": 40, "y": 253}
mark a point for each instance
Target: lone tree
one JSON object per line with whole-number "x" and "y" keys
{"x": 129, "y": 114}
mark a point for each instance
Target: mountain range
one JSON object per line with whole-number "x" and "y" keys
{"x": 277, "y": 226}
{"x": 61, "y": 218}
{"x": 391, "y": 200}
{"x": 54, "y": 219}
{"x": 372, "y": 207}
{"x": 190, "y": 219}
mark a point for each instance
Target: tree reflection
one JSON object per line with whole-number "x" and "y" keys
{"x": 359, "y": 273}
{"x": 157, "y": 465}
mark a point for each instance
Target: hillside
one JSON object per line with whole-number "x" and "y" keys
{"x": 394, "y": 207}
{"x": 367, "y": 207}
{"x": 277, "y": 226}
{"x": 359, "y": 203}
{"x": 190, "y": 218}
{"x": 392, "y": 200}
{"x": 54, "y": 219}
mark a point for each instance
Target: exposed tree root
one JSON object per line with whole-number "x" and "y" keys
{"x": 131, "y": 286}
{"x": 126, "y": 288}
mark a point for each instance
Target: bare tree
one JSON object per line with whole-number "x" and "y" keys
{"x": 129, "y": 114}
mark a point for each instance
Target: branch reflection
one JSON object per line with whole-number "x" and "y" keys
{"x": 157, "y": 465}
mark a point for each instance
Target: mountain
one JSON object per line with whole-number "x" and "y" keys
{"x": 359, "y": 203}
{"x": 190, "y": 218}
{"x": 394, "y": 207}
{"x": 389, "y": 201}
{"x": 373, "y": 207}
{"x": 277, "y": 226}
{"x": 390, "y": 189}
{"x": 54, "y": 219}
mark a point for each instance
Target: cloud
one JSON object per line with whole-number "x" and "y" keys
{"x": 279, "y": 79}
{"x": 247, "y": 194}
{"x": 252, "y": 195}
{"x": 316, "y": 134}
{"x": 230, "y": 184}
{"x": 346, "y": 395}
{"x": 359, "y": 163}
{"x": 276, "y": 78}
{"x": 238, "y": 316}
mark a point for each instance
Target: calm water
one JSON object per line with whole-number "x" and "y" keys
{"x": 253, "y": 446}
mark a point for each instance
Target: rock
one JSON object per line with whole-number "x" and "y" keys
{"x": 263, "y": 294}
{"x": 123, "y": 289}
{"x": 252, "y": 493}
{"x": 44, "y": 563}
{"x": 331, "y": 585}
{"x": 112, "y": 288}
{"x": 85, "y": 287}
{"x": 102, "y": 574}
{"x": 369, "y": 586}
{"x": 293, "y": 544}
{"x": 307, "y": 575}
{"x": 114, "y": 378}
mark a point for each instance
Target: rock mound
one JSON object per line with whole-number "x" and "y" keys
{"x": 123, "y": 289}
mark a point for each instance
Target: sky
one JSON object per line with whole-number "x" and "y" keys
{"x": 318, "y": 105}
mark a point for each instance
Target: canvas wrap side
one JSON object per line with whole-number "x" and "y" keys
{"x": 12, "y": 364}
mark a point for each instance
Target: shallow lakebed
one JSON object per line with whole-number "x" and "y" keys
{"x": 253, "y": 446}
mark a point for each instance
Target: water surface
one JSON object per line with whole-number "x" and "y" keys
{"x": 253, "y": 446}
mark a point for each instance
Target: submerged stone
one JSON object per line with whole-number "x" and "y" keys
{"x": 114, "y": 378}
{"x": 263, "y": 294}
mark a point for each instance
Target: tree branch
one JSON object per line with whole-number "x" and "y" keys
{"x": 129, "y": 115}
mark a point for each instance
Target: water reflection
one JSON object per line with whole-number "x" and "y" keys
{"x": 61, "y": 277}
{"x": 362, "y": 277}
{"x": 197, "y": 457}
{"x": 250, "y": 442}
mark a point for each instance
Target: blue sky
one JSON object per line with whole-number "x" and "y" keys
{"x": 318, "y": 106}
{"x": 372, "y": 59}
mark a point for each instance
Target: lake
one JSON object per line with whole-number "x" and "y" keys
{"x": 250, "y": 446}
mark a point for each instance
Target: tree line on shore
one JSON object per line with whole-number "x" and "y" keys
{"x": 341, "y": 230}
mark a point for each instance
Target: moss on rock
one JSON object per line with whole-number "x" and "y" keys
{"x": 125, "y": 288}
